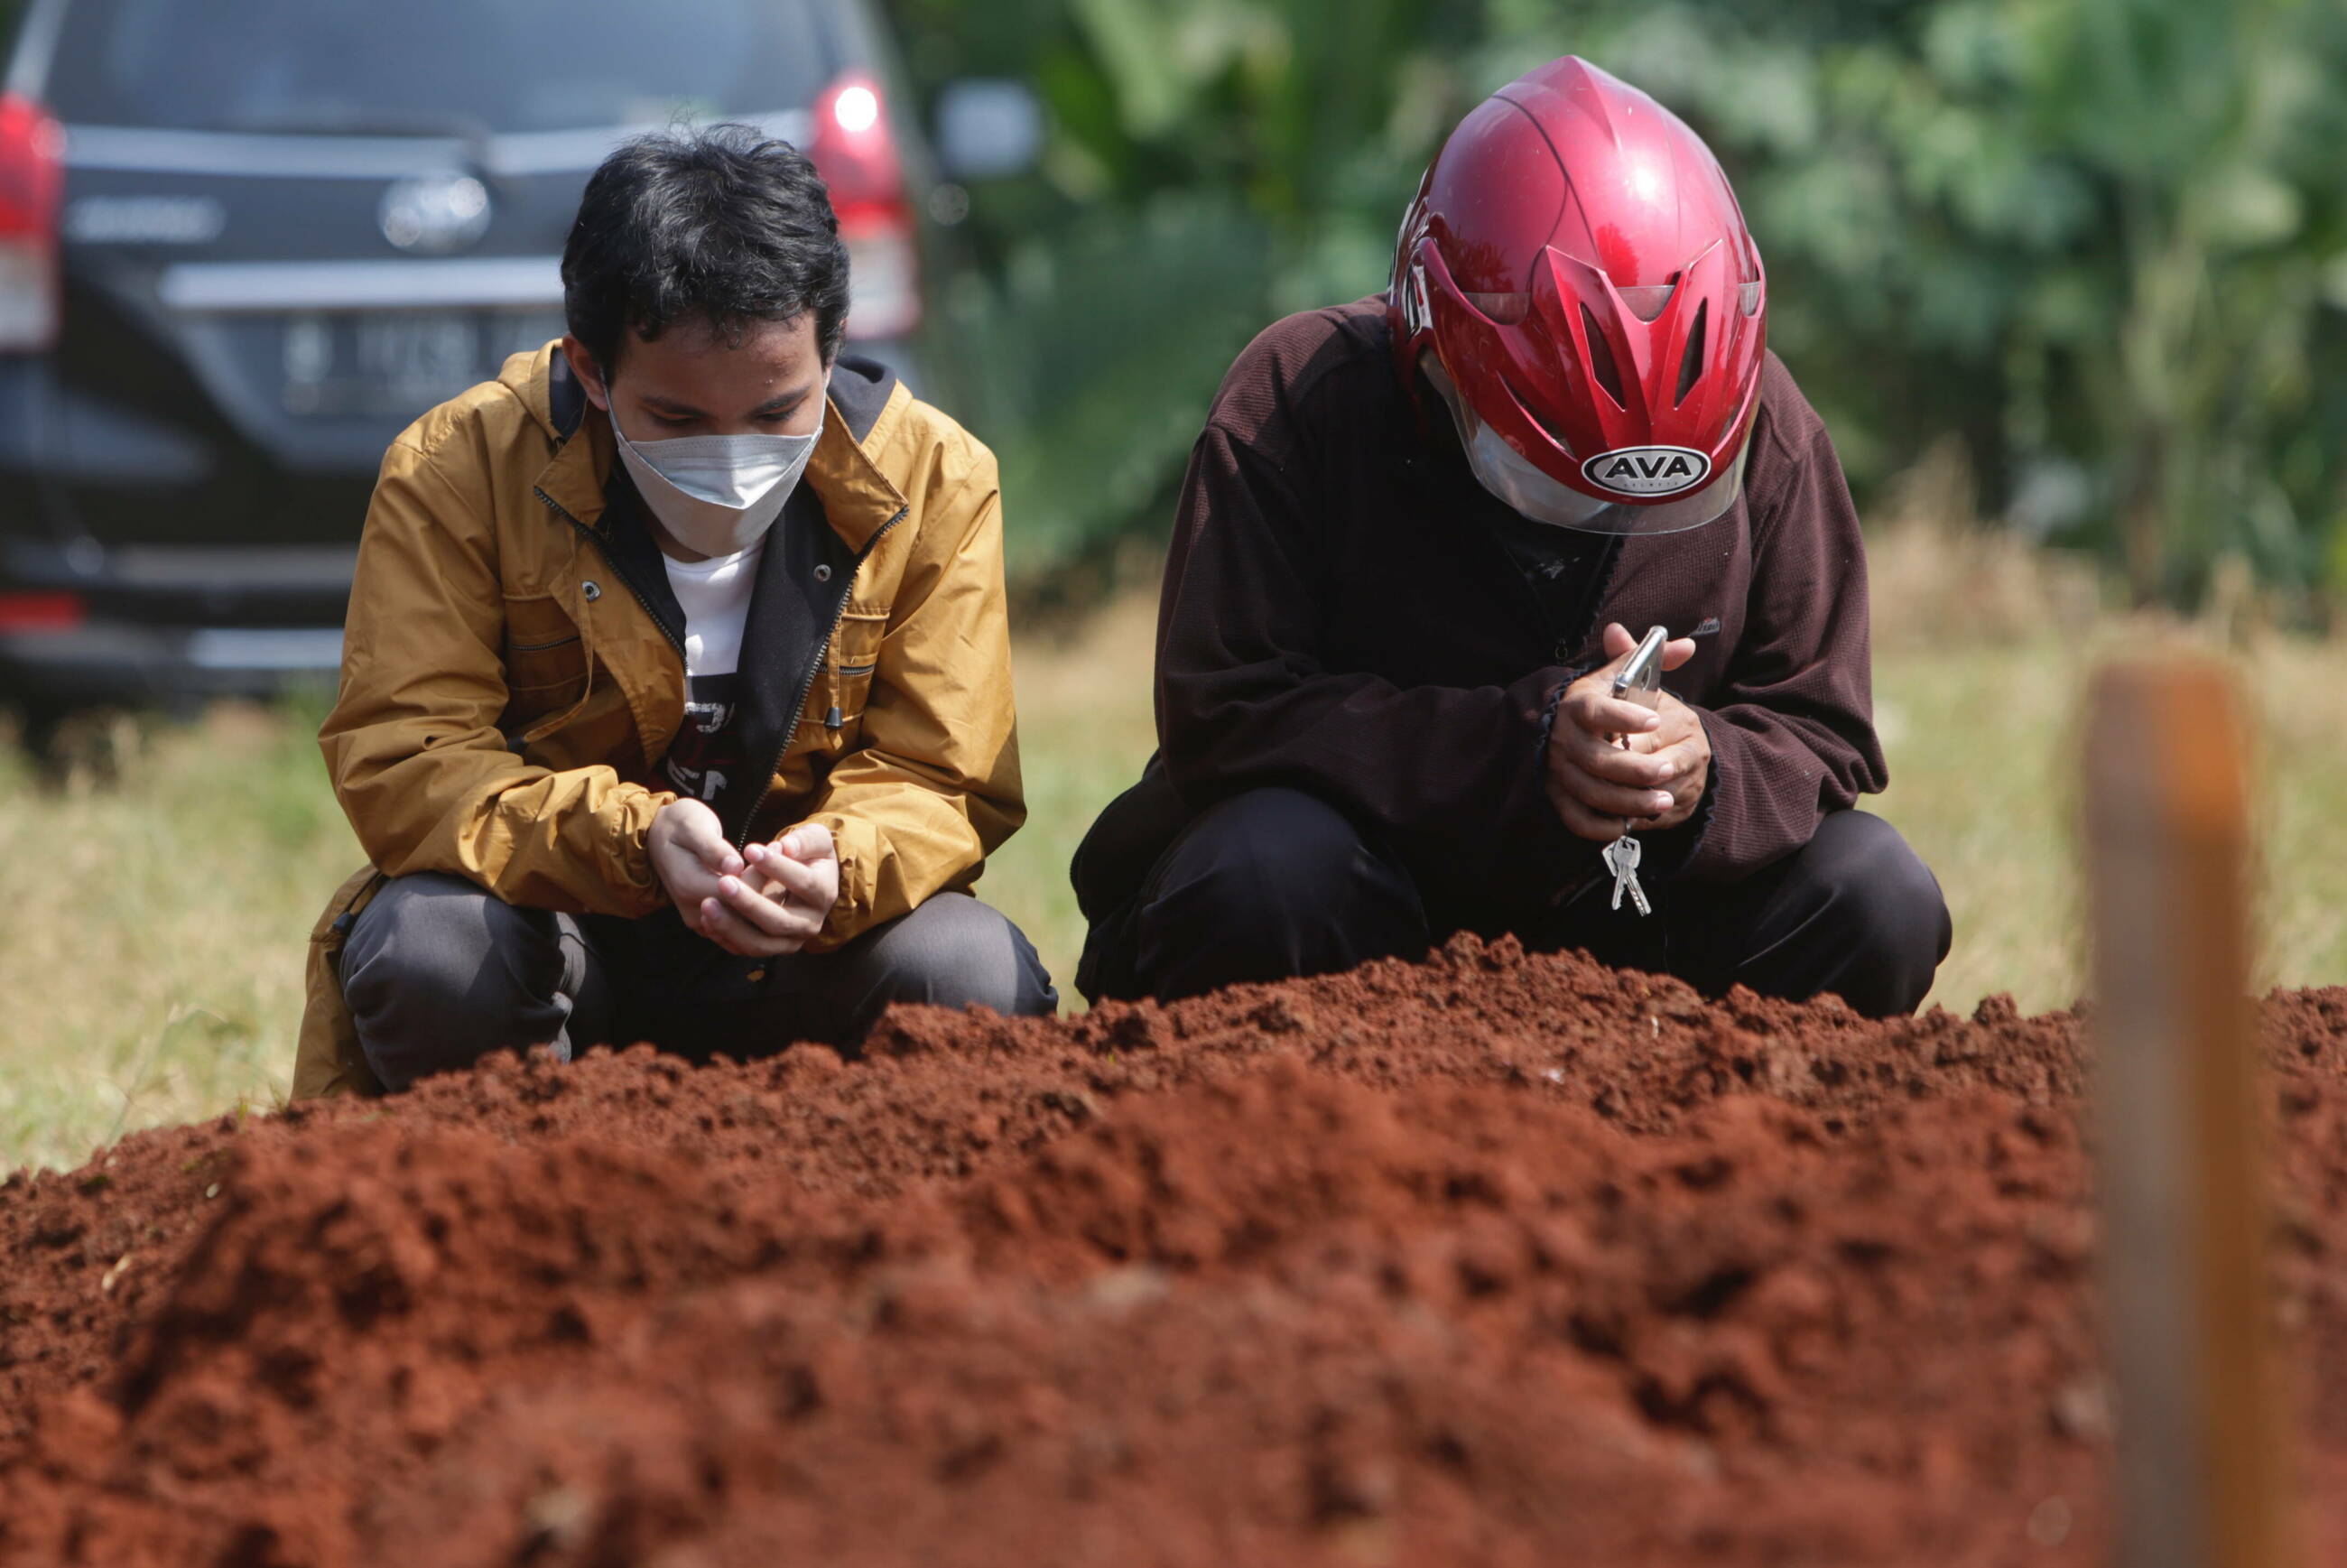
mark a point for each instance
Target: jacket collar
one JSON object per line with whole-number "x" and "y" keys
{"x": 865, "y": 406}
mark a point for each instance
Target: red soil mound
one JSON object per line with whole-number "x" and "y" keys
{"x": 1495, "y": 1259}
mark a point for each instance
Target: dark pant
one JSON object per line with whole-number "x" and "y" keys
{"x": 439, "y": 974}
{"x": 1275, "y": 883}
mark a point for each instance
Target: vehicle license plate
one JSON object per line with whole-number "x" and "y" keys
{"x": 400, "y": 362}
{"x": 290, "y": 647}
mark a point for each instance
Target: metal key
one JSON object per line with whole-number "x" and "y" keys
{"x": 1640, "y": 681}
{"x": 1621, "y": 858}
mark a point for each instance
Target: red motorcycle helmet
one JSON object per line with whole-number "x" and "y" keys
{"x": 1576, "y": 281}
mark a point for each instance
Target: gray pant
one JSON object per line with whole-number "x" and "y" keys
{"x": 439, "y": 974}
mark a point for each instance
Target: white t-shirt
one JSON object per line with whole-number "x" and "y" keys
{"x": 714, "y": 595}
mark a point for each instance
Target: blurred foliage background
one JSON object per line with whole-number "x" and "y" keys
{"x": 2099, "y": 245}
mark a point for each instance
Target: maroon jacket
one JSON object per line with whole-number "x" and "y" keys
{"x": 1346, "y": 612}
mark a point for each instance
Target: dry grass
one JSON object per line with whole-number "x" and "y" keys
{"x": 151, "y": 929}
{"x": 1085, "y": 731}
{"x": 1983, "y": 652}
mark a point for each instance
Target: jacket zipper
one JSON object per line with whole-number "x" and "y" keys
{"x": 806, "y": 686}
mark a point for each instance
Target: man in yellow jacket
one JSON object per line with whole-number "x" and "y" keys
{"x": 676, "y": 688}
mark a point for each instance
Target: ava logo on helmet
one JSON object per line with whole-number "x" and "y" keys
{"x": 1647, "y": 470}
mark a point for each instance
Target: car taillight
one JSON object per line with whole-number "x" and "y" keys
{"x": 856, "y": 156}
{"x": 32, "y": 179}
{"x": 41, "y": 611}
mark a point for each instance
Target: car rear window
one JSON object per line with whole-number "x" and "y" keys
{"x": 433, "y": 67}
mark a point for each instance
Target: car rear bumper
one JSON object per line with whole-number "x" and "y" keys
{"x": 119, "y": 662}
{"x": 137, "y": 623}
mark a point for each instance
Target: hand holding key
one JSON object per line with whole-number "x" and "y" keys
{"x": 1640, "y": 680}
{"x": 1596, "y": 784}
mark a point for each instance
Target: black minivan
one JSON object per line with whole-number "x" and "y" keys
{"x": 243, "y": 243}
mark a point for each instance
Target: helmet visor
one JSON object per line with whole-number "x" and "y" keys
{"x": 1507, "y": 473}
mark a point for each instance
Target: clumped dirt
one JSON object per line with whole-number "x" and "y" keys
{"x": 1498, "y": 1259}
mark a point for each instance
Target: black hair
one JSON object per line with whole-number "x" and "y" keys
{"x": 721, "y": 223}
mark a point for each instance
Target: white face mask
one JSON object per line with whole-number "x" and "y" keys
{"x": 717, "y": 494}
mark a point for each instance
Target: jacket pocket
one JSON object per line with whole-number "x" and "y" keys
{"x": 546, "y": 664}
{"x": 543, "y": 648}
{"x": 846, "y": 681}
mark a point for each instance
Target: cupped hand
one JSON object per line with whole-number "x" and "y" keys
{"x": 781, "y": 898}
{"x": 690, "y": 854}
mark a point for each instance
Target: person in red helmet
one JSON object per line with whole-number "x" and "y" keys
{"x": 1415, "y": 542}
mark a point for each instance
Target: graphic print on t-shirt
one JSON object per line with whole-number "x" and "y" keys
{"x": 715, "y": 598}
{"x": 707, "y": 750}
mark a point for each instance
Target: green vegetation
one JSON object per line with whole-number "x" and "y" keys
{"x": 152, "y": 929}
{"x": 2102, "y": 241}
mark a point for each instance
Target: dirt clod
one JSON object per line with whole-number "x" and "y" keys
{"x": 1499, "y": 1259}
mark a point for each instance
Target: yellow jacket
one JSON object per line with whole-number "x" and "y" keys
{"x": 508, "y": 687}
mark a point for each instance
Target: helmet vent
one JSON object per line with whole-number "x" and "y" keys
{"x": 1691, "y": 361}
{"x": 1530, "y": 408}
{"x": 1646, "y": 300}
{"x": 1507, "y": 308}
{"x": 1601, "y": 358}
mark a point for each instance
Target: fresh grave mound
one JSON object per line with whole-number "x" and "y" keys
{"x": 1493, "y": 1259}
